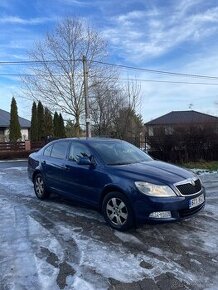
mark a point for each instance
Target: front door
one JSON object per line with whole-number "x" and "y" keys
{"x": 83, "y": 182}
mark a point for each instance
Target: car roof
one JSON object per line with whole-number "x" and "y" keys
{"x": 88, "y": 140}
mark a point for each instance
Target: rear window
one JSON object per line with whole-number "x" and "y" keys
{"x": 47, "y": 151}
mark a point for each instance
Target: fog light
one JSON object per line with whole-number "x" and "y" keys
{"x": 160, "y": 214}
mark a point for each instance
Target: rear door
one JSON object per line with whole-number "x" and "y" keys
{"x": 54, "y": 164}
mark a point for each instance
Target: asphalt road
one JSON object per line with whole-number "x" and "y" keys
{"x": 13, "y": 163}
{"x": 56, "y": 244}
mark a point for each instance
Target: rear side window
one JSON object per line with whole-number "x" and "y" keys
{"x": 78, "y": 150}
{"x": 59, "y": 150}
{"x": 47, "y": 151}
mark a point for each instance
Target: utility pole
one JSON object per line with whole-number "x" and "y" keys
{"x": 87, "y": 112}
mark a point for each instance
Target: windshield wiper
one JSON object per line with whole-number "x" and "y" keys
{"x": 121, "y": 163}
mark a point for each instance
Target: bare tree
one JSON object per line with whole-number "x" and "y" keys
{"x": 113, "y": 108}
{"x": 132, "y": 91}
{"x": 128, "y": 124}
{"x": 56, "y": 75}
{"x": 105, "y": 107}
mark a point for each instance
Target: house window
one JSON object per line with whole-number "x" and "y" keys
{"x": 24, "y": 137}
{"x": 168, "y": 130}
{"x": 150, "y": 131}
{"x": 1, "y": 135}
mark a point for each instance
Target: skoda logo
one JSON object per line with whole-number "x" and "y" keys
{"x": 192, "y": 181}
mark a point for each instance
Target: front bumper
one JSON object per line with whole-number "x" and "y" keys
{"x": 178, "y": 207}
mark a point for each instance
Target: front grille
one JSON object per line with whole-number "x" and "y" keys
{"x": 188, "y": 212}
{"x": 188, "y": 188}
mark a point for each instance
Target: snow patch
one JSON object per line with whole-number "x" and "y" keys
{"x": 80, "y": 284}
{"x": 127, "y": 238}
{"x": 117, "y": 262}
{"x": 203, "y": 171}
{"x": 18, "y": 168}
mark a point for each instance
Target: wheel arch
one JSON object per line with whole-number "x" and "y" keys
{"x": 113, "y": 188}
{"x": 110, "y": 188}
{"x": 35, "y": 173}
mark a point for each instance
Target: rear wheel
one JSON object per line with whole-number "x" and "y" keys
{"x": 117, "y": 211}
{"x": 40, "y": 187}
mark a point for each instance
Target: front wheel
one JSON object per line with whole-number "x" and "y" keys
{"x": 117, "y": 211}
{"x": 39, "y": 187}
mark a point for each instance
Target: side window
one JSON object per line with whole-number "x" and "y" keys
{"x": 59, "y": 150}
{"x": 47, "y": 151}
{"x": 150, "y": 131}
{"x": 169, "y": 130}
{"x": 78, "y": 150}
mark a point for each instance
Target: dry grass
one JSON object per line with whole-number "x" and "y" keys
{"x": 207, "y": 165}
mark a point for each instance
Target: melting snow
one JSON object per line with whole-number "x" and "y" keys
{"x": 127, "y": 238}
{"x": 29, "y": 245}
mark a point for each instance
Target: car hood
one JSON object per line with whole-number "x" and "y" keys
{"x": 152, "y": 171}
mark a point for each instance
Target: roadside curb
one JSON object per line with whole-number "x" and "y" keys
{"x": 14, "y": 160}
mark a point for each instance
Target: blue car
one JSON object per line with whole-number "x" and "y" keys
{"x": 126, "y": 184}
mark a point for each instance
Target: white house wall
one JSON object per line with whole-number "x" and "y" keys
{"x": 24, "y": 134}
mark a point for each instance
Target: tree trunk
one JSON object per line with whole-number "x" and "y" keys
{"x": 77, "y": 125}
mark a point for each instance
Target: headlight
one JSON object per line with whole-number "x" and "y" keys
{"x": 154, "y": 190}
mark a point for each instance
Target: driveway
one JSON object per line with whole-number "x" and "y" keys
{"x": 59, "y": 245}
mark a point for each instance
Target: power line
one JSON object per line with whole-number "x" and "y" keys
{"x": 162, "y": 81}
{"x": 26, "y": 62}
{"x": 122, "y": 79}
{"x": 29, "y": 62}
{"x": 171, "y": 82}
{"x": 157, "y": 71}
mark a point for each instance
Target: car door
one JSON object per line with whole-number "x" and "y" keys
{"x": 83, "y": 182}
{"x": 54, "y": 165}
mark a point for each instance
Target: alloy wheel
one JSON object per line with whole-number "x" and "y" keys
{"x": 39, "y": 186}
{"x": 117, "y": 211}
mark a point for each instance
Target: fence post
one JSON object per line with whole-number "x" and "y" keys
{"x": 27, "y": 145}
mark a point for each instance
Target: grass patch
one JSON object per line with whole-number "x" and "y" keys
{"x": 207, "y": 165}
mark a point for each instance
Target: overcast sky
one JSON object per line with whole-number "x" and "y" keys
{"x": 170, "y": 35}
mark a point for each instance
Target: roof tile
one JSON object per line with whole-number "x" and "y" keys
{"x": 183, "y": 117}
{"x": 5, "y": 120}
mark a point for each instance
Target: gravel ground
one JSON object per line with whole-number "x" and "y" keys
{"x": 59, "y": 245}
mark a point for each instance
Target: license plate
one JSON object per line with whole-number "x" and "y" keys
{"x": 196, "y": 201}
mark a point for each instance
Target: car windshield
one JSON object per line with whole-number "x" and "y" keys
{"x": 119, "y": 153}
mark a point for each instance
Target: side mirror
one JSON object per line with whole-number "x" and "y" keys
{"x": 85, "y": 160}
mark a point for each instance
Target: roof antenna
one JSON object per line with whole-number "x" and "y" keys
{"x": 190, "y": 106}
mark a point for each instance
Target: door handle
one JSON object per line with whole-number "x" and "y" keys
{"x": 67, "y": 167}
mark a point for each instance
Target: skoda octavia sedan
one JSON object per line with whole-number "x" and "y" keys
{"x": 127, "y": 185}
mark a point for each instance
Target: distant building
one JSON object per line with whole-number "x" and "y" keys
{"x": 4, "y": 127}
{"x": 182, "y": 136}
{"x": 169, "y": 123}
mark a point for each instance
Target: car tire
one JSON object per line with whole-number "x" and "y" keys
{"x": 40, "y": 187}
{"x": 117, "y": 211}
